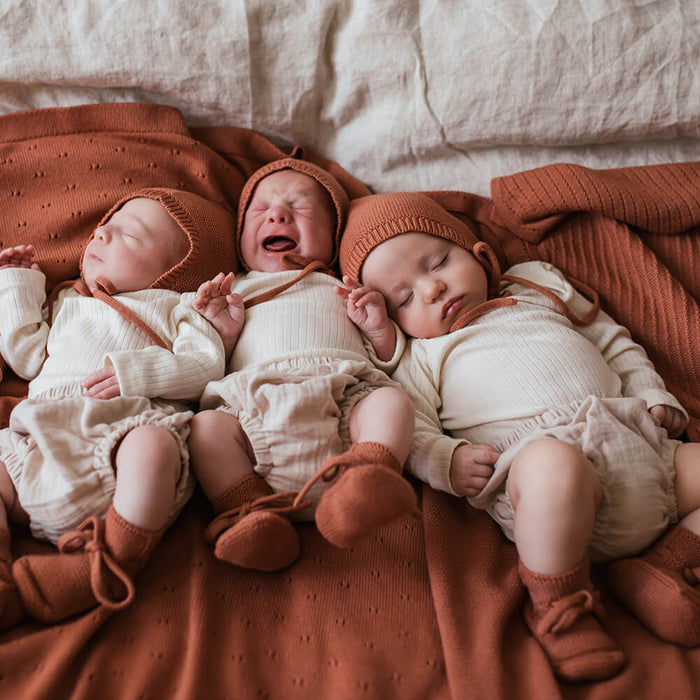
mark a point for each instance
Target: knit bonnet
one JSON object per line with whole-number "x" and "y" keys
{"x": 379, "y": 217}
{"x": 337, "y": 194}
{"x": 209, "y": 228}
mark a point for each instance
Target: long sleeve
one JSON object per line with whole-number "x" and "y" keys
{"x": 430, "y": 458}
{"x": 23, "y": 332}
{"x": 389, "y": 365}
{"x": 197, "y": 357}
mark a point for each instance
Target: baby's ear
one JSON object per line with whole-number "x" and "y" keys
{"x": 488, "y": 259}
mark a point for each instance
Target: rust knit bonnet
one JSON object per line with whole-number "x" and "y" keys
{"x": 379, "y": 217}
{"x": 337, "y": 194}
{"x": 209, "y": 228}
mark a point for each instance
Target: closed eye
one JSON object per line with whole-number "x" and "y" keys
{"x": 406, "y": 301}
{"x": 441, "y": 262}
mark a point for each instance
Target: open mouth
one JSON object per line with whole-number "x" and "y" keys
{"x": 279, "y": 244}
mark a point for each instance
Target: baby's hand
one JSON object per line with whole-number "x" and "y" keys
{"x": 221, "y": 308}
{"x": 366, "y": 307}
{"x": 18, "y": 256}
{"x": 472, "y": 467}
{"x": 102, "y": 384}
{"x": 671, "y": 418}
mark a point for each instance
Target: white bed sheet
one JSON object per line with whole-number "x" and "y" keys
{"x": 405, "y": 94}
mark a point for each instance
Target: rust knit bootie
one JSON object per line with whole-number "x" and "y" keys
{"x": 11, "y": 608}
{"x": 252, "y": 527}
{"x": 368, "y": 494}
{"x": 662, "y": 587}
{"x": 563, "y": 613}
{"x": 95, "y": 565}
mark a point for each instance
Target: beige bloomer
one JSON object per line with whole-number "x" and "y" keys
{"x": 58, "y": 453}
{"x": 634, "y": 460}
{"x": 295, "y": 414}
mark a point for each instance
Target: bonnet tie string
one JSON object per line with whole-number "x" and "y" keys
{"x": 506, "y": 300}
{"x": 104, "y": 292}
{"x": 591, "y": 294}
{"x": 483, "y": 308}
{"x": 291, "y": 262}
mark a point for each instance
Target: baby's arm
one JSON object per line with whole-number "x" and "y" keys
{"x": 224, "y": 310}
{"x": 193, "y": 356}
{"x": 367, "y": 310}
{"x": 22, "y": 294}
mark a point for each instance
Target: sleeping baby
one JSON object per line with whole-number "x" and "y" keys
{"x": 95, "y": 459}
{"x": 554, "y": 420}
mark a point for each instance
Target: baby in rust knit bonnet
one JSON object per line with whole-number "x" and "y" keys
{"x": 538, "y": 407}
{"x": 304, "y": 426}
{"x": 95, "y": 459}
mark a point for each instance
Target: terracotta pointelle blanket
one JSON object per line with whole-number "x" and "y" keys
{"x": 428, "y": 608}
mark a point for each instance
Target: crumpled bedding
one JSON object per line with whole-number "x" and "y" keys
{"x": 404, "y": 94}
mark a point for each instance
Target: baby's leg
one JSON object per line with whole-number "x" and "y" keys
{"x": 219, "y": 451}
{"x": 251, "y": 529}
{"x": 147, "y": 466}
{"x": 555, "y": 492}
{"x": 662, "y": 586}
{"x": 96, "y": 563}
{"x": 11, "y": 608}
{"x": 687, "y": 463}
{"x": 370, "y": 492}
{"x": 386, "y": 416}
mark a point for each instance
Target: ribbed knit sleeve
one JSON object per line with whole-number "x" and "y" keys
{"x": 389, "y": 365}
{"x": 23, "y": 333}
{"x": 430, "y": 458}
{"x": 197, "y": 357}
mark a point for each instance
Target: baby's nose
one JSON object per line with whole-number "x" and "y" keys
{"x": 432, "y": 289}
{"x": 278, "y": 214}
{"x": 102, "y": 234}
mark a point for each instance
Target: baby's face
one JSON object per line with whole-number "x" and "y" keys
{"x": 135, "y": 246}
{"x": 428, "y": 282}
{"x": 289, "y": 212}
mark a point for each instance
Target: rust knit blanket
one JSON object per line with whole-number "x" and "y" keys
{"x": 427, "y": 609}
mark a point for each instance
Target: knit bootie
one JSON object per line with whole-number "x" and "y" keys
{"x": 94, "y": 566}
{"x": 563, "y": 613}
{"x": 662, "y": 587}
{"x": 252, "y": 528}
{"x": 369, "y": 493}
{"x": 11, "y": 608}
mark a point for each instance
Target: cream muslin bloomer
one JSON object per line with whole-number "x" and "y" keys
{"x": 58, "y": 453}
{"x": 296, "y": 414}
{"x": 632, "y": 455}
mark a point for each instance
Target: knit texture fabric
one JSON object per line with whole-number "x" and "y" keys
{"x": 377, "y": 218}
{"x": 248, "y": 532}
{"x": 426, "y": 608}
{"x": 337, "y": 194}
{"x": 368, "y": 494}
{"x": 662, "y": 586}
{"x": 54, "y": 587}
{"x": 209, "y": 228}
{"x": 563, "y": 613}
